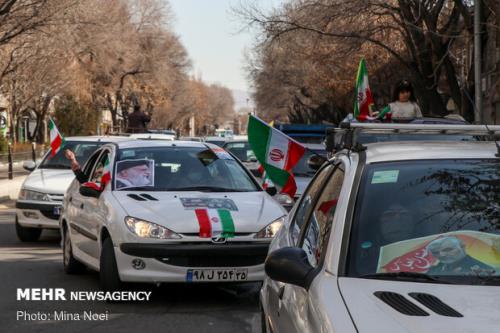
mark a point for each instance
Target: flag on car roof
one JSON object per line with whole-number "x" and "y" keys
{"x": 276, "y": 152}
{"x": 56, "y": 139}
{"x": 363, "y": 95}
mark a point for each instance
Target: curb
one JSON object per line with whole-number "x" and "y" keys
{"x": 4, "y": 198}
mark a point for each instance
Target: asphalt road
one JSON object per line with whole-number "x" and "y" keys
{"x": 172, "y": 308}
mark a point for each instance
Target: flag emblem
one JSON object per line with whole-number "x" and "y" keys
{"x": 276, "y": 155}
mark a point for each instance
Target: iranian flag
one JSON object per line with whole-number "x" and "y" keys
{"x": 215, "y": 223}
{"x": 363, "y": 95}
{"x": 266, "y": 182}
{"x": 276, "y": 152}
{"x": 56, "y": 139}
{"x": 106, "y": 173}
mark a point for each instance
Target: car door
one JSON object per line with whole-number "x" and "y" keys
{"x": 275, "y": 289}
{"x": 79, "y": 217}
{"x": 295, "y": 313}
{"x": 95, "y": 210}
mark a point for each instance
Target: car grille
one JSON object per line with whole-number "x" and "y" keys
{"x": 49, "y": 214}
{"x": 56, "y": 197}
{"x": 214, "y": 260}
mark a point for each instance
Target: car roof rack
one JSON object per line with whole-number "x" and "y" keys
{"x": 346, "y": 136}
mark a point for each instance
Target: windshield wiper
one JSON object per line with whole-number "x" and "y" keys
{"x": 207, "y": 189}
{"x": 405, "y": 276}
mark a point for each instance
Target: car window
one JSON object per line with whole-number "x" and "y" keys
{"x": 89, "y": 165}
{"x": 306, "y": 201}
{"x": 320, "y": 220}
{"x": 241, "y": 150}
{"x": 437, "y": 217}
{"x": 182, "y": 169}
{"x": 98, "y": 168}
{"x": 82, "y": 151}
{"x": 302, "y": 169}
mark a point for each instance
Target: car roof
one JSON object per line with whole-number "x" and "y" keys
{"x": 137, "y": 143}
{"x": 98, "y": 138}
{"x": 424, "y": 150}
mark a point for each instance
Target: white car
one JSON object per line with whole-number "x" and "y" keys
{"x": 41, "y": 195}
{"x": 172, "y": 212}
{"x": 392, "y": 237}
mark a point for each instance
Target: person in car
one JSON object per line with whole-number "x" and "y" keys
{"x": 405, "y": 107}
{"x": 75, "y": 166}
{"x": 133, "y": 173}
{"x": 454, "y": 260}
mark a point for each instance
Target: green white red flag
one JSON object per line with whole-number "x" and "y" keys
{"x": 276, "y": 152}
{"x": 56, "y": 139}
{"x": 363, "y": 95}
{"x": 215, "y": 223}
{"x": 106, "y": 173}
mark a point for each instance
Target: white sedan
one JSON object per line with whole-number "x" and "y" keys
{"x": 41, "y": 195}
{"x": 172, "y": 212}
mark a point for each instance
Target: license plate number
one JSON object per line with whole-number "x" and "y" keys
{"x": 209, "y": 275}
{"x": 57, "y": 210}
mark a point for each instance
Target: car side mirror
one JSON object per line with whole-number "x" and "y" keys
{"x": 88, "y": 191}
{"x": 289, "y": 265}
{"x": 29, "y": 165}
{"x": 316, "y": 161}
{"x": 271, "y": 190}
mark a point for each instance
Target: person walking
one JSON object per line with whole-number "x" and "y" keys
{"x": 138, "y": 120}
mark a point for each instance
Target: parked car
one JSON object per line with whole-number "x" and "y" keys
{"x": 391, "y": 237}
{"x": 173, "y": 212}
{"x": 41, "y": 195}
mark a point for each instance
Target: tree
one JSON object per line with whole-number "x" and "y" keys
{"x": 419, "y": 37}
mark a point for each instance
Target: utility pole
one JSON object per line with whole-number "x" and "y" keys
{"x": 478, "y": 94}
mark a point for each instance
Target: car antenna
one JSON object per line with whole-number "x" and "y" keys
{"x": 495, "y": 140}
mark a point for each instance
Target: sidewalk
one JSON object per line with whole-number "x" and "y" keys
{"x": 9, "y": 188}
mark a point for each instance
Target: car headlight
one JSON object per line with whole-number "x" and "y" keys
{"x": 147, "y": 229}
{"x": 33, "y": 195}
{"x": 271, "y": 229}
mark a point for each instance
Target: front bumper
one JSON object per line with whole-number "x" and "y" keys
{"x": 37, "y": 215}
{"x": 171, "y": 262}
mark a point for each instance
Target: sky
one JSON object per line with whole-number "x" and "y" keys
{"x": 209, "y": 32}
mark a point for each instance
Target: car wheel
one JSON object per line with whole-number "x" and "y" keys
{"x": 71, "y": 264}
{"x": 27, "y": 234}
{"x": 108, "y": 270}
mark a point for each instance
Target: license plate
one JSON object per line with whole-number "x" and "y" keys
{"x": 57, "y": 210}
{"x": 211, "y": 275}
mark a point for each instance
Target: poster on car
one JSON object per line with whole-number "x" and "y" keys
{"x": 452, "y": 253}
{"x": 134, "y": 173}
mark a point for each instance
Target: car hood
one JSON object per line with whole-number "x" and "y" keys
{"x": 254, "y": 211}
{"x": 479, "y": 306}
{"x": 54, "y": 181}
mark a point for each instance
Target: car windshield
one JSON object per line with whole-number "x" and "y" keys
{"x": 302, "y": 169}
{"x": 180, "y": 169}
{"x": 437, "y": 218}
{"x": 82, "y": 151}
{"x": 241, "y": 150}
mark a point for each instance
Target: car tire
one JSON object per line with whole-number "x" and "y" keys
{"x": 108, "y": 270}
{"x": 71, "y": 264}
{"x": 26, "y": 234}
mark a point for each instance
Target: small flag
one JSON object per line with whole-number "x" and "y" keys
{"x": 106, "y": 173}
{"x": 215, "y": 223}
{"x": 56, "y": 139}
{"x": 363, "y": 95}
{"x": 276, "y": 152}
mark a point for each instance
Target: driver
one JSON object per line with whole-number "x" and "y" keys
{"x": 396, "y": 224}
